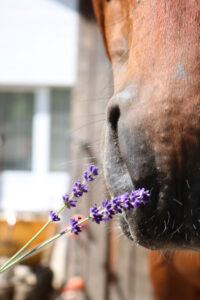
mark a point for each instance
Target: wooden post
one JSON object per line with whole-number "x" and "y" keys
{"x": 87, "y": 254}
{"x": 112, "y": 267}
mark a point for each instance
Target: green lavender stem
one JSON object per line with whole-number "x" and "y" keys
{"x": 92, "y": 171}
{"x": 22, "y": 257}
{"x": 97, "y": 214}
{"x": 29, "y": 242}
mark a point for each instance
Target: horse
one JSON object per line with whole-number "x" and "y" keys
{"x": 152, "y": 134}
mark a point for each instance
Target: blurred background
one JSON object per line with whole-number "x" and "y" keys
{"x": 55, "y": 81}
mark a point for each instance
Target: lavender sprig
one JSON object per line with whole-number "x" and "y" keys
{"x": 118, "y": 204}
{"x": 48, "y": 241}
{"x": 79, "y": 188}
{"x": 108, "y": 209}
{"x": 77, "y": 191}
{"x": 98, "y": 214}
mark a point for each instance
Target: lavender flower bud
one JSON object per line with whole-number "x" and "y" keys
{"x": 127, "y": 201}
{"x": 66, "y": 200}
{"x": 93, "y": 170}
{"x": 139, "y": 196}
{"x": 88, "y": 176}
{"x": 69, "y": 202}
{"x": 72, "y": 202}
{"x": 75, "y": 227}
{"x": 79, "y": 188}
{"x": 54, "y": 216}
{"x": 109, "y": 210}
{"x": 143, "y": 195}
{"x": 95, "y": 214}
{"x": 117, "y": 203}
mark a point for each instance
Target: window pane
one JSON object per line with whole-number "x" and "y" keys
{"x": 60, "y": 105}
{"x": 16, "y": 112}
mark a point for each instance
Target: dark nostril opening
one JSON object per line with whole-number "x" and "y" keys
{"x": 114, "y": 117}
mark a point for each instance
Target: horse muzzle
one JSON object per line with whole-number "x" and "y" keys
{"x": 144, "y": 147}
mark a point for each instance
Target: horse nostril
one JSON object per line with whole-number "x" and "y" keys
{"x": 113, "y": 118}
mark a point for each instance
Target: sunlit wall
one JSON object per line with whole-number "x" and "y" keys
{"x": 38, "y": 51}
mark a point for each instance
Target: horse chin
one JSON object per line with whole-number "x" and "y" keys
{"x": 154, "y": 238}
{"x": 147, "y": 225}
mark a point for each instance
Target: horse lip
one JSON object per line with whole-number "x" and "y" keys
{"x": 116, "y": 173}
{"x": 119, "y": 181}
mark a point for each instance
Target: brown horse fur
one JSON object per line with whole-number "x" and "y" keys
{"x": 154, "y": 117}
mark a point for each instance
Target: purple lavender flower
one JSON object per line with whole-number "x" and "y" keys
{"x": 143, "y": 195}
{"x": 93, "y": 170}
{"x": 105, "y": 202}
{"x": 90, "y": 172}
{"x": 72, "y": 202}
{"x": 75, "y": 227}
{"x": 117, "y": 203}
{"x": 65, "y": 198}
{"x": 88, "y": 176}
{"x": 126, "y": 201}
{"x": 109, "y": 211}
{"x": 139, "y": 196}
{"x": 96, "y": 214}
{"x": 69, "y": 202}
{"x": 79, "y": 188}
{"x": 54, "y": 216}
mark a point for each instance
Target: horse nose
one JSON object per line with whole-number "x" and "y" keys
{"x": 115, "y": 108}
{"x": 156, "y": 155}
{"x": 132, "y": 139}
{"x": 113, "y": 117}
{"x": 118, "y": 104}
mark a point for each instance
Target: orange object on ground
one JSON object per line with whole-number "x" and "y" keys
{"x": 75, "y": 283}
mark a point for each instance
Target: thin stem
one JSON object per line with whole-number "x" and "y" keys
{"x": 19, "y": 259}
{"x": 25, "y": 246}
{"x": 30, "y": 241}
{"x": 9, "y": 262}
{"x": 60, "y": 210}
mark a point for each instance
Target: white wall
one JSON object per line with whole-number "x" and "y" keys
{"x": 23, "y": 191}
{"x": 38, "y": 48}
{"x": 38, "y": 42}
{"x": 37, "y": 190}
